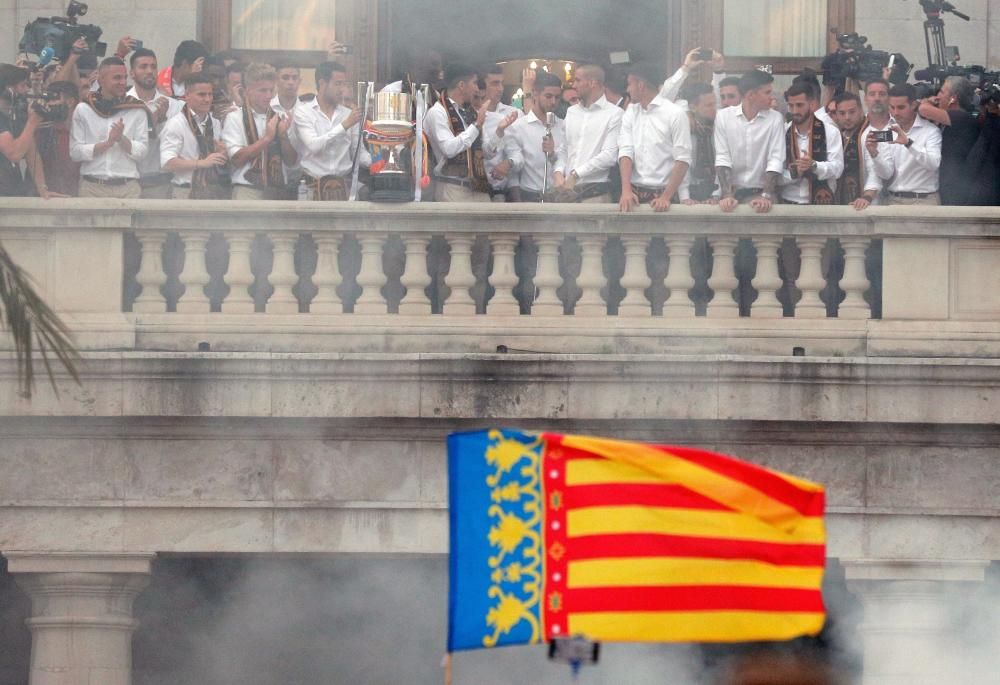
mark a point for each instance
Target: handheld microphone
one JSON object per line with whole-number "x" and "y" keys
{"x": 548, "y": 119}
{"x": 46, "y": 55}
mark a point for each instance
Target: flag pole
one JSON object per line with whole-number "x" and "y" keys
{"x": 447, "y": 669}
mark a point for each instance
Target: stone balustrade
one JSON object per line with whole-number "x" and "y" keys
{"x": 825, "y": 278}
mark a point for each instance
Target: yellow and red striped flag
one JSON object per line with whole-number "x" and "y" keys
{"x": 557, "y": 535}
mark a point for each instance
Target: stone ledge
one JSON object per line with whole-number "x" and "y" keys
{"x": 74, "y": 562}
{"x": 516, "y": 387}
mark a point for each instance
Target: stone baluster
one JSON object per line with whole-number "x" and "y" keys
{"x": 460, "y": 277}
{"x": 372, "y": 276}
{"x": 283, "y": 276}
{"x": 547, "y": 278}
{"x": 723, "y": 281}
{"x": 679, "y": 279}
{"x": 195, "y": 276}
{"x": 592, "y": 277}
{"x": 635, "y": 280}
{"x": 415, "y": 277}
{"x": 811, "y": 281}
{"x": 855, "y": 280}
{"x": 327, "y": 276}
{"x": 151, "y": 276}
{"x": 239, "y": 276}
{"x": 768, "y": 281}
{"x": 504, "y": 277}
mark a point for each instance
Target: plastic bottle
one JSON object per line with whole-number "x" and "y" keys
{"x": 305, "y": 192}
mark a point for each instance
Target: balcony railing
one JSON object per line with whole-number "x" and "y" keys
{"x": 521, "y": 266}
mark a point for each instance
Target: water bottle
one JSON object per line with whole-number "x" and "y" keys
{"x": 305, "y": 192}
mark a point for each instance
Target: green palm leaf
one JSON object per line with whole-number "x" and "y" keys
{"x": 33, "y": 326}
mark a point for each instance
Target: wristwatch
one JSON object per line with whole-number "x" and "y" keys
{"x": 908, "y": 143}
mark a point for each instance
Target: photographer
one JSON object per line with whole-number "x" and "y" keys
{"x": 910, "y": 164}
{"x": 14, "y": 143}
{"x": 951, "y": 109}
{"x": 53, "y": 170}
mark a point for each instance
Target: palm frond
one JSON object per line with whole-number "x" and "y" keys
{"x": 33, "y": 326}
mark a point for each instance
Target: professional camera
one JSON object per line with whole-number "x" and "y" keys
{"x": 46, "y": 107}
{"x": 59, "y": 33}
{"x": 856, "y": 60}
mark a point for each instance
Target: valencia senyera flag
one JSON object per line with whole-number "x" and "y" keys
{"x": 559, "y": 535}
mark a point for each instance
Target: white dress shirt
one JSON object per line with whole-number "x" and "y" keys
{"x": 523, "y": 143}
{"x": 325, "y": 148}
{"x": 592, "y": 140}
{"x": 797, "y": 189}
{"x": 151, "y": 164}
{"x": 914, "y": 169}
{"x": 750, "y": 147}
{"x": 872, "y": 181}
{"x": 655, "y": 139}
{"x": 235, "y": 138}
{"x": 446, "y": 144}
{"x": 177, "y": 141}
{"x": 671, "y": 88}
{"x": 88, "y": 128}
{"x": 493, "y": 148}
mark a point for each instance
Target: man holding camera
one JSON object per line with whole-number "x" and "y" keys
{"x": 910, "y": 164}
{"x": 14, "y": 143}
{"x": 110, "y": 136}
{"x": 55, "y": 174}
{"x": 951, "y": 109}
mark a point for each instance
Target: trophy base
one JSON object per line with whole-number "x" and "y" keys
{"x": 392, "y": 187}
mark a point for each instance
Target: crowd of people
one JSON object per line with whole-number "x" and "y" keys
{"x": 210, "y": 127}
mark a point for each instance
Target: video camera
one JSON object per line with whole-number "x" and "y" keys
{"x": 49, "y": 112}
{"x": 855, "y": 59}
{"x": 986, "y": 82}
{"x": 59, "y": 33}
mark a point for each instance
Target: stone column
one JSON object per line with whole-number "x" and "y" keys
{"x": 81, "y": 617}
{"x": 910, "y": 610}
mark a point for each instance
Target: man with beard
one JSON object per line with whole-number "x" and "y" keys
{"x": 532, "y": 145}
{"x": 702, "y": 109}
{"x": 498, "y": 119}
{"x": 191, "y": 145}
{"x": 859, "y": 185}
{"x": 110, "y": 136}
{"x": 456, "y": 140}
{"x": 814, "y": 153}
{"x": 592, "y": 129}
{"x": 909, "y": 165}
{"x": 750, "y": 146}
{"x": 328, "y": 132}
{"x": 654, "y": 147}
{"x": 729, "y": 92}
{"x": 154, "y": 181}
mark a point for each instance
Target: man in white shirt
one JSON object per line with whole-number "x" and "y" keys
{"x": 191, "y": 147}
{"x": 654, "y": 146}
{"x": 154, "y": 181}
{"x": 285, "y": 102}
{"x": 257, "y": 140}
{"x": 456, "y": 140}
{"x": 750, "y": 146}
{"x": 535, "y": 147}
{"x": 109, "y": 134}
{"x": 909, "y": 165}
{"x": 327, "y": 135}
{"x": 814, "y": 152}
{"x": 859, "y": 185}
{"x": 501, "y": 116}
{"x": 592, "y": 129}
